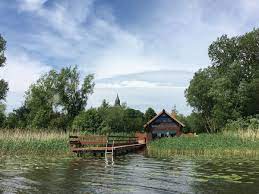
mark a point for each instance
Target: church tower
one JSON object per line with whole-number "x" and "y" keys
{"x": 117, "y": 101}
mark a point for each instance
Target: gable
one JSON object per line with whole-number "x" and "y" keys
{"x": 163, "y": 118}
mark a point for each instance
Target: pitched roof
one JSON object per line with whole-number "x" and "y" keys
{"x": 159, "y": 114}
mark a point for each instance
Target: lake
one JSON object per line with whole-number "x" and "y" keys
{"x": 132, "y": 173}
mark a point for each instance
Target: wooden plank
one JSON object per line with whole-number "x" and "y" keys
{"x": 104, "y": 148}
{"x": 93, "y": 142}
{"x": 125, "y": 137}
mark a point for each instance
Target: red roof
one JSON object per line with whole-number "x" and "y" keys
{"x": 159, "y": 114}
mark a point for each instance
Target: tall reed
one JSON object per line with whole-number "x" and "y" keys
{"x": 219, "y": 145}
{"x": 33, "y": 142}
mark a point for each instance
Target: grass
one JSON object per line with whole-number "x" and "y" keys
{"x": 16, "y": 142}
{"x": 240, "y": 143}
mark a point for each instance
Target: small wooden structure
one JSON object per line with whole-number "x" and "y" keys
{"x": 163, "y": 125}
{"x": 100, "y": 144}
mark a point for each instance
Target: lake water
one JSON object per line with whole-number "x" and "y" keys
{"x": 132, "y": 173}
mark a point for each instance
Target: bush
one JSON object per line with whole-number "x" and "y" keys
{"x": 250, "y": 122}
{"x": 87, "y": 120}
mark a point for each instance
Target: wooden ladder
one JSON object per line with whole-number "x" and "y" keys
{"x": 108, "y": 153}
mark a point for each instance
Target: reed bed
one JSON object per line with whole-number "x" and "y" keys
{"x": 247, "y": 134}
{"x": 211, "y": 145}
{"x": 33, "y": 142}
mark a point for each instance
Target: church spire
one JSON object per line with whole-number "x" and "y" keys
{"x": 117, "y": 101}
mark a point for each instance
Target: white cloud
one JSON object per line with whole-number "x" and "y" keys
{"x": 137, "y": 84}
{"x": 21, "y": 71}
{"x": 31, "y": 5}
{"x": 65, "y": 17}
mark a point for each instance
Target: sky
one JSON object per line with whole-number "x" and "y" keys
{"x": 146, "y": 51}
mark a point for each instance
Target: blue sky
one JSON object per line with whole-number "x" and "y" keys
{"x": 145, "y": 50}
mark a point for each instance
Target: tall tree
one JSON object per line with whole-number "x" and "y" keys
{"x": 228, "y": 88}
{"x": 73, "y": 98}
{"x": 3, "y": 84}
{"x": 149, "y": 114}
{"x": 89, "y": 120}
{"x": 58, "y": 94}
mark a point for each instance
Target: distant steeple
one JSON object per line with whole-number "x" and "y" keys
{"x": 174, "y": 112}
{"x": 117, "y": 101}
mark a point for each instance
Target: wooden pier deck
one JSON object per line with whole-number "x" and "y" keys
{"x": 100, "y": 144}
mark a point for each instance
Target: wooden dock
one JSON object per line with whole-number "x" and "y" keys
{"x": 97, "y": 144}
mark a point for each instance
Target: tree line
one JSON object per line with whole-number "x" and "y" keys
{"x": 225, "y": 94}
{"x": 57, "y": 101}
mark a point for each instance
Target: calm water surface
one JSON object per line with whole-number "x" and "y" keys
{"x": 133, "y": 173}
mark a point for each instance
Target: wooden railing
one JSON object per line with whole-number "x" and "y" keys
{"x": 122, "y": 140}
{"x": 100, "y": 140}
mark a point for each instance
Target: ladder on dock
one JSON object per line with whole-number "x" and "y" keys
{"x": 109, "y": 153}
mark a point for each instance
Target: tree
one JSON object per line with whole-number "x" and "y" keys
{"x": 114, "y": 118}
{"x": 133, "y": 120}
{"x": 57, "y": 94}
{"x": 227, "y": 89}
{"x": 73, "y": 99}
{"x": 18, "y": 118}
{"x": 41, "y": 99}
{"x": 2, "y": 115}
{"x": 149, "y": 114}
{"x": 104, "y": 104}
{"x": 3, "y": 84}
{"x": 88, "y": 120}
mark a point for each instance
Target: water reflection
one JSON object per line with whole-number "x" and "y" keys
{"x": 132, "y": 173}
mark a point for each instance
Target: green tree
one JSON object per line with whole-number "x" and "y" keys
{"x": 133, "y": 120}
{"x": 3, "y": 84}
{"x": 72, "y": 98}
{"x": 89, "y": 120}
{"x": 114, "y": 118}
{"x": 227, "y": 89}
{"x": 18, "y": 118}
{"x": 57, "y": 94}
{"x": 2, "y": 115}
{"x": 149, "y": 114}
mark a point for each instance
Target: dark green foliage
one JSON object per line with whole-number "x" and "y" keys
{"x": 89, "y": 120}
{"x": 229, "y": 88}
{"x": 121, "y": 119}
{"x": 249, "y": 122}
{"x": 53, "y": 101}
{"x": 59, "y": 121}
{"x": 2, "y": 115}
{"x": 133, "y": 120}
{"x": 73, "y": 99}
{"x": 18, "y": 118}
{"x": 3, "y": 84}
{"x": 114, "y": 118}
{"x": 3, "y": 89}
{"x": 109, "y": 119}
{"x": 149, "y": 114}
{"x": 2, "y": 49}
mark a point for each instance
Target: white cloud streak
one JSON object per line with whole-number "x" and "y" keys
{"x": 137, "y": 84}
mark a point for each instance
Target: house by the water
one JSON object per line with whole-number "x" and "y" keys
{"x": 163, "y": 125}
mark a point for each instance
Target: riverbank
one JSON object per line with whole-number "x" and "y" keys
{"x": 27, "y": 142}
{"x": 225, "y": 144}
